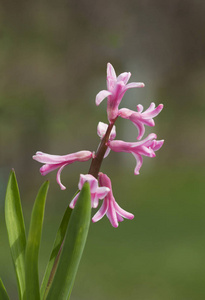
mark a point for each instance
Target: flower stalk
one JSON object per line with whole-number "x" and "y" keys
{"x": 97, "y": 160}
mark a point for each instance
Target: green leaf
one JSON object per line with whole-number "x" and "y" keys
{"x": 3, "y": 293}
{"x": 33, "y": 244}
{"x": 55, "y": 254}
{"x": 16, "y": 231}
{"x": 73, "y": 247}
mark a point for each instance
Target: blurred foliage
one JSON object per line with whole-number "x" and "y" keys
{"x": 53, "y": 60}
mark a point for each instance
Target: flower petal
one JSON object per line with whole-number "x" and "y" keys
{"x": 134, "y": 85}
{"x": 58, "y": 179}
{"x": 74, "y": 200}
{"x": 139, "y": 160}
{"x": 111, "y": 71}
{"x": 124, "y": 77}
{"x": 101, "y": 96}
{"x": 101, "y": 212}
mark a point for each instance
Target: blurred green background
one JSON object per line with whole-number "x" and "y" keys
{"x": 53, "y": 57}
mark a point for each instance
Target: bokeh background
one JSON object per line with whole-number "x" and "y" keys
{"x": 53, "y": 57}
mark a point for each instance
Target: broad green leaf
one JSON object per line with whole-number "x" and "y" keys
{"x": 16, "y": 230}
{"x": 3, "y": 293}
{"x": 73, "y": 247}
{"x": 33, "y": 244}
{"x": 55, "y": 254}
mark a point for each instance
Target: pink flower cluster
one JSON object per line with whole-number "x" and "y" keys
{"x": 116, "y": 88}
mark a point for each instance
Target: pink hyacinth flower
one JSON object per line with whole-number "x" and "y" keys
{"x": 146, "y": 147}
{"x": 95, "y": 191}
{"x": 101, "y": 131}
{"x": 53, "y": 162}
{"x": 116, "y": 88}
{"x": 140, "y": 118}
{"x": 110, "y": 207}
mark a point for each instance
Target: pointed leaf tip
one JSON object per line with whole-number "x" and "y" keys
{"x": 16, "y": 230}
{"x": 3, "y": 292}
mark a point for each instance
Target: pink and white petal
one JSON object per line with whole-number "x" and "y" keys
{"x": 151, "y": 107}
{"x": 102, "y": 191}
{"x": 47, "y": 168}
{"x": 58, "y": 179}
{"x": 134, "y": 85}
{"x": 101, "y": 129}
{"x": 101, "y": 212}
{"x": 101, "y": 96}
{"x": 74, "y": 200}
{"x": 47, "y": 158}
{"x": 122, "y": 212}
{"x": 113, "y": 133}
{"x": 94, "y": 200}
{"x": 111, "y": 71}
{"x": 125, "y": 113}
{"x": 124, "y": 77}
{"x": 139, "y": 160}
{"x": 140, "y": 108}
{"x": 107, "y": 152}
{"x": 146, "y": 151}
{"x": 139, "y": 125}
{"x": 119, "y": 218}
{"x": 111, "y": 214}
{"x": 153, "y": 113}
{"x": 157, "y": 145}
{"x": 90, "y": 179}
{"x": 148, "y": 122}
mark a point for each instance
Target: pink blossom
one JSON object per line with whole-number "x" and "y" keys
{"x": 140, "y": 118}
{"x": 95, "y": 191}
{"x": 52, "y": 162}
{"x": 110, "y": 207}
{"x": 116, "y": 88}
{"x": 101, "y": 131}
{"x": 146, "y": 147}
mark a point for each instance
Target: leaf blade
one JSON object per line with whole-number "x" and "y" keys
{"x": 73, "y": 247}
{"x": 47, "y": 279}
{"x": 16, "y": 230}
{"x": 3, "y": 292}
{"x": 33, "y": 244}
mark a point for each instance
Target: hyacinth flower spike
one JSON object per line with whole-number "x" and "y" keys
{"x": 53, "y": 162}
{"x": 116, "y": 88}
{"x": 110, "y": 208}
{"x": 139, "y": 118}
{"x": 96, "y": 191}
{"x": 146, "y": 147}
{"x": 101, "y": 131}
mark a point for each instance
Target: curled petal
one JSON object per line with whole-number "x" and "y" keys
{"x": 139, "y": 160}
{"x": 74, "y": 200}
{"x": 53, "y": 162}
{"x": 101, "y": 212}
{"x": 101, "y": 96}
{"x": 58, "y": 179}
